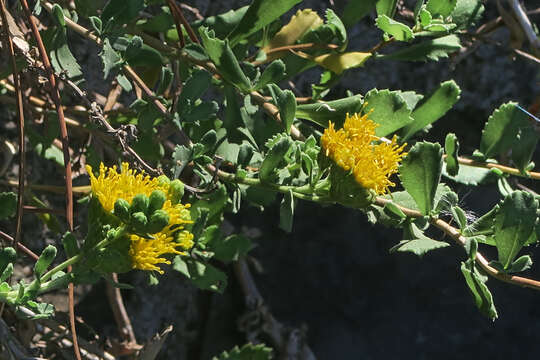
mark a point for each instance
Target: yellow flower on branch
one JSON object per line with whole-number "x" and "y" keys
{"x": 355, "y": 148}
{"x": 149, "y": 251}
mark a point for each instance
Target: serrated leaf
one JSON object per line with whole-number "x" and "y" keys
{"x": 259, "y": 14}
{"x": 335, "y": 111}
{"x": 501, "y": 129}
{"x": 416, "y": 242}
{"x": 273, "y": 158}
{"x": 222, "y": 56}
{"x": 388, "y": 109}
{"x": 8, "y": 205}
{"x": 399, "y": 31}
{"x": 514, "y": 224}
{"x": 451, "y": 148}
{"x": 420, "y": 173}
{"x": 442, "y": 100}
{"x": 286, "y": 212}
{"x": 479, "y": 291}
{"x": 441, "y": 7}
{"x": 247, "y": 352}
{"x": 433, "y": 49}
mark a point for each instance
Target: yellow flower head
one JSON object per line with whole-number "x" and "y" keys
{"x": 145, "y": 253}
{"x": 355, "y": 148}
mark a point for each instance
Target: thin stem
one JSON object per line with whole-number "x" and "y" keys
{"x": 503, "y": 168}
{"x": 20, "y": 115}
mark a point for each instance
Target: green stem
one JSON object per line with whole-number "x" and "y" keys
{"x": 76, "y": 258}
{"x": 302, "y": 192}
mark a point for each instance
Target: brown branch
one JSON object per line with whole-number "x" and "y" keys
{"x": 120, "y": 314}
{"x": 177, "y": 22}
{"x": 273, "y": 111}
{"x": 8, "y": 43}
{"x": 20, "y": 246}
{"x": 55, "y": 93}
{"x": 503, "y": 168}
{"x": 38, "y": 210}
{"x": 461, "y": 240}
{"x": 184, "y": 22}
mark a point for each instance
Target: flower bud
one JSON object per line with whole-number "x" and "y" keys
{"x": 158, "y": 220}
{"x": 164, "y": 180}
{"x": 139, "y": 221}
{"x": 176, "y": 191}
{"x": 157, "y": 199}
{"x": 139, "y": 203}
{"x": 121, "y": 210}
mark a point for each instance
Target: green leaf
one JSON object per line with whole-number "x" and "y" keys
{"x": 111, "y": 59}
{"x": 286, "y": 212}
{"x": 207, "y": 277}
{"x": 432, "y": 49}
{"x": 459, "y": 216}
{"x": 273, "y": 158}
{"x": 523, "y": 149}
{"x": 8, "y": 255}
{"x": 514, "y": 224}
{"x": 479, "y": 291}
{"x": 340, "y": 62}
{"x": 386, "y": 7}
{"x": 335, "y": 111}
{"x": 70, "y": 244}
{"x": 482, "y": 224}
{"x": 451, "y": 148}
{"x": 420, "y": 173}
{"x": 259, "y": 14}
{"x": 8, "y": 205}
{"x": 56, "y": 42}
{"x": 399, "y": 31}
{"x": 247, "y": 352}
{"x": 469, "y": 175}
{"x": 222, "y": 56}
{"x": 388, "y": 109}
{"x": 122, "y": 11}
{"x": 286, "y": 103}
{"x": 521, "y": 264}
{"x": 441, "y": 7}
{"x": 230, "y": 248}
{"x": 355, "y": 10}
{"x": 433, "y": 108}
{"x": 272, "y": 74}
{"x": 45, "y": 259}
{"x": 501, "y": 130}
{"x": 467, "y": 13}
{"x": 416, "y": 242}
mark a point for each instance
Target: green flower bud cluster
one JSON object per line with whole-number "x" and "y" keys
{"x": 145, "y": 214}
{"x": 176, "y": 189}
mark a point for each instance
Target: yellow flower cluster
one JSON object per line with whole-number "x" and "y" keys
{"x": 355, "y": 148}
{"x": 145, "y": 254}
